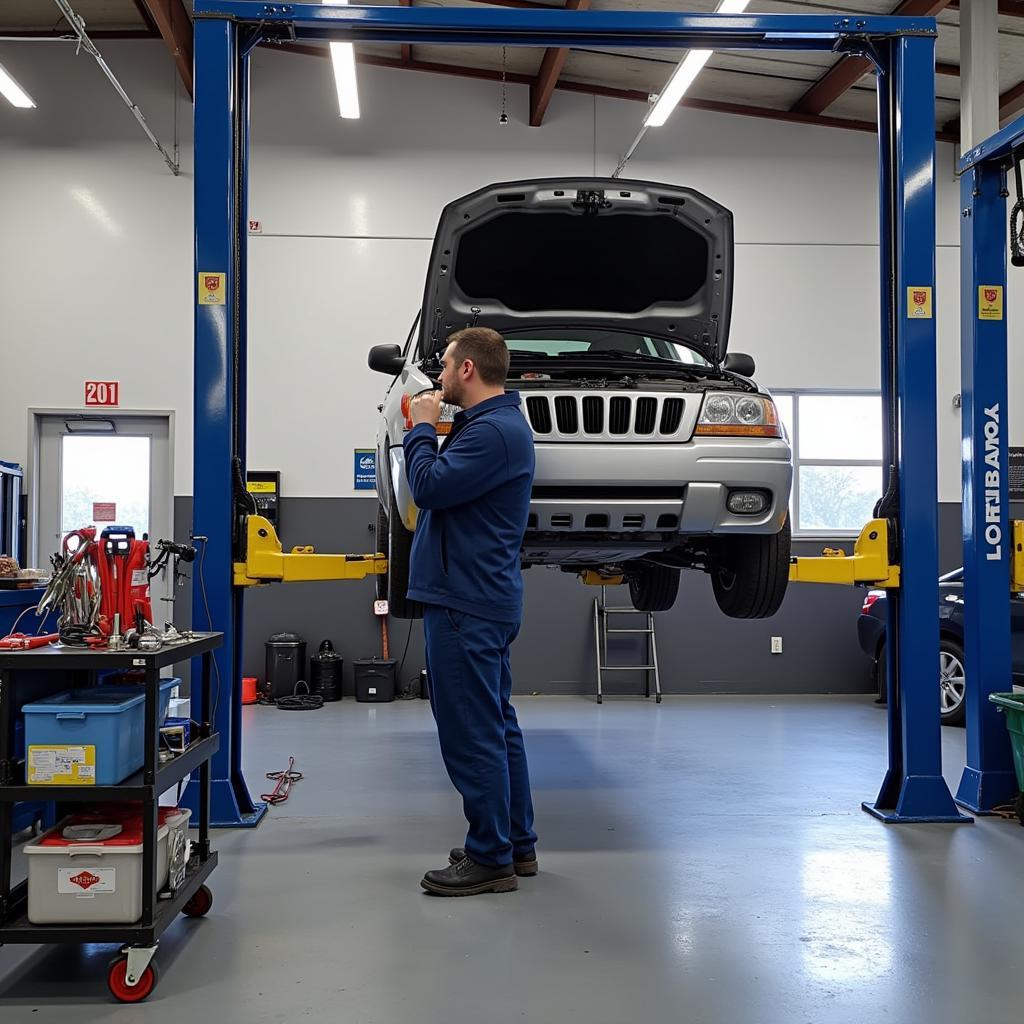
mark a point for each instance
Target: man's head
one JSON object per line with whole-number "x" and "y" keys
{"x": 475, "y": 366}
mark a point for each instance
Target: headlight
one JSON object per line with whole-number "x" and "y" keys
{"x": 444, "y": 425}
{"x": 740, "y": 415}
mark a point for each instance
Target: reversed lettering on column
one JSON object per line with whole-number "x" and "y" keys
{"x": 993, "y": 511}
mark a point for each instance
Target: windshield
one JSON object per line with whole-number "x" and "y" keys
{"x": 567, "y": 343}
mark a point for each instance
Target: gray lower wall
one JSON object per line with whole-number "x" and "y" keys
{"x": 700, "y": 650}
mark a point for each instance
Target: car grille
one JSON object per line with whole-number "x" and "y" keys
{"x": 613, "y": 417}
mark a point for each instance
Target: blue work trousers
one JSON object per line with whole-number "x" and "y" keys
{"x": 481, "y": 742}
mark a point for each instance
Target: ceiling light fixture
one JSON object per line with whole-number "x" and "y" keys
{"x": 14, "y": 92}
{"x": 343, "y": 57}
{"x": 685, "y": 73}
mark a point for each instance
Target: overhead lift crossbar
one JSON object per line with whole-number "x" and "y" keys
{"x": 903, "y": 53}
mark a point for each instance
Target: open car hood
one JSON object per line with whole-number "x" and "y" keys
{"x": 643, "y": 257}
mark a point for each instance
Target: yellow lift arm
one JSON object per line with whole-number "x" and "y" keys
{"x": 1017, "y": 558}
{"x": 869, "y": 563}
{"x": 267, "y": 562}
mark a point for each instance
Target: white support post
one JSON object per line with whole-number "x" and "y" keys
{"x": 979, "y": 71}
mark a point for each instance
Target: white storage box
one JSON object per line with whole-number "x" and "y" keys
{"x": 88, "y": 868}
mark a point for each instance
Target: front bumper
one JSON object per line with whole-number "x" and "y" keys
{"x": 597, "y": 489}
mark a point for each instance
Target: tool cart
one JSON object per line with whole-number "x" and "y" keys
{"x": 132, "y": 975}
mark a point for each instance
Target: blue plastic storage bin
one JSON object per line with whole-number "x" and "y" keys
{"x": 92, "y": 736}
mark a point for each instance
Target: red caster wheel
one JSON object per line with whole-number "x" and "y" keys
{"x": 117, "y": 981}
{"x": 199, "y": 905}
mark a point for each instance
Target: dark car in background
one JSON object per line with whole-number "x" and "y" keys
{"x": 871, "y": 633}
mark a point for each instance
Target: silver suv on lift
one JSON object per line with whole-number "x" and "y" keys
{"x": 656, "y": 451}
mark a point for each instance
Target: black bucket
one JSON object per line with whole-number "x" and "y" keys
{"x": 325, "y": 672}
{"x": 286, "y": 665}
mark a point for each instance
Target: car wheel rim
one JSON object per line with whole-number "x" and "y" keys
{"x": 952, "y": 682}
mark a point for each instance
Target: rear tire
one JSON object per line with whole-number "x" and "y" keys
{"x": 951, "y": 711}
{"x": 395, "y": 542}
{"x": 750, "y": 573}
{"x": 654, "y": 588}
{"x": 952, "y": 683}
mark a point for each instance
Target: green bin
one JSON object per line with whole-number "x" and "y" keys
{"x": 1012, "y": 705}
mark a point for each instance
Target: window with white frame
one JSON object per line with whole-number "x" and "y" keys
{"x": 837, "y": 459}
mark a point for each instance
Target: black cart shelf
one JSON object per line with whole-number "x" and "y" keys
{"x": 133, "y": 975}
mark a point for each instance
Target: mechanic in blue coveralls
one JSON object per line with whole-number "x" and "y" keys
{"x": 474, "y": 496}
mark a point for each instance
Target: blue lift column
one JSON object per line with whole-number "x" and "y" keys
{"x": 988, "y": 779}
{"x": 221, "y": 133}
{"x": 913, "y": 789}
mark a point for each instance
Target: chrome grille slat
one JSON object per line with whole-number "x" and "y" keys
{"x": 619, "y": 415}
{"x": 671, "y": 414}
{"x": 646, "y": 415}
{"x": 593, "y": 414}
{"x": 538, "y": 412}
{"x": 566, "y": 415}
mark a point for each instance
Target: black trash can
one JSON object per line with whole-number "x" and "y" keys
{"x": 375, "y": 679}
{"x": 286, "y": 665}
{"x": 424, "y": 685}
{"x": 325, "y": 672}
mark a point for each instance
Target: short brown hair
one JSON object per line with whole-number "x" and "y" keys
{"x": 486, "y": 349}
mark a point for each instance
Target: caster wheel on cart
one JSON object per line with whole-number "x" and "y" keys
{"x": 117, "y": 981}
{"x": 199, "y": 905}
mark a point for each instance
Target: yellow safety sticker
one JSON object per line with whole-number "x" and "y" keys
{"x": 261, "y": 487}
{"x": 919, "y": 302}
{"x": 211, "y": 289}
{"x": 64, "y": 765}
{"x": 990, "y": 302}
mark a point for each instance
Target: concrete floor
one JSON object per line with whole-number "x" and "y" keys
{"x": 702, "y": 861}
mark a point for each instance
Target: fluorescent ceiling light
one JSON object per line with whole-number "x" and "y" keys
{"x": 14, "y": 92}
{"x": 687, "y": 70}
{"x": 343, "y": 57}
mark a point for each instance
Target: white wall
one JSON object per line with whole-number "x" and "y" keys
{"x": 348, "y": 211}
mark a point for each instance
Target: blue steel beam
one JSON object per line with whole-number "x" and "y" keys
{"x": 988, "y": 779}
{"x": 468, "y": 26}
{"x": 220, "y": 114}
{"x": 995, "y": 147}
{"x": 913, "y": 789}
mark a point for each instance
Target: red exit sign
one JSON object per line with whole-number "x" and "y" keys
{"x": 102, "y": 392}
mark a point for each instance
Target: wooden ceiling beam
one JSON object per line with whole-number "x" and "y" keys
{"x": 406, "y": 47}
{"x": 848, "y": 71}
{"x": 175, "y": 27}
{"x": 543, "y": 86}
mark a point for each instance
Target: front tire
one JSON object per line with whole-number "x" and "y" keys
{"x": 750, "y": 573}
{"x": 395, "y": 542}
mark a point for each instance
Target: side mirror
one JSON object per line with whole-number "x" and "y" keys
{"x": 386, "y": 359}
{"x": 739, "y": 362}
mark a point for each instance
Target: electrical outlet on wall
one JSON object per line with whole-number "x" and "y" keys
{"x": 776, "y": 645}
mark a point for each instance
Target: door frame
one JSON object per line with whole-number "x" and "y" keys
{"x": 37, "y": 415}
